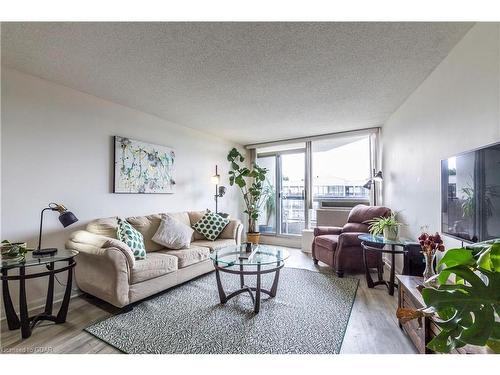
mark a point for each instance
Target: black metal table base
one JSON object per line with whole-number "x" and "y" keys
{"x": 248, "y": 289}
{"x": 391, "y": 283}
{"x": 24, "y": 321}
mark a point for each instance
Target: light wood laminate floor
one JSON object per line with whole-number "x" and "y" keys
{"x": 372, "y": 327}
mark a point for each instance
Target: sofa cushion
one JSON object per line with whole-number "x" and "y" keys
{"x": 132, "y": 238}
{"x": 211, "y": 225}
{"x": 183, "y": 217}
{"x": 194, "y": 217}
{"x": 147, "y": 225}
{"x": 186, "y": 257}
{"x": 155, "y": 265}
{"x": 230, "y": 231}
{"x": 328, "y": 241}
{"x": 215, "y": 245}
{"x": 173, "y": 234}
{"x": 104, "y": 227}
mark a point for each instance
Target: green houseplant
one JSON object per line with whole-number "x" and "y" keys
{"x": 270, "y": 201}
{"x": 251, "y": 184}
{"x": 13, "y": 250}
{"x": 465, "y": 301}
{"x": 469, "y": 200}
{"x": 388, "y": 226}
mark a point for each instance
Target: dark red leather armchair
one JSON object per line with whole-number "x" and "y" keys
{"x": 340, "y": 248}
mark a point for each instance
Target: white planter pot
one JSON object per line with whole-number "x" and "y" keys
{"x": 391, "y": 233}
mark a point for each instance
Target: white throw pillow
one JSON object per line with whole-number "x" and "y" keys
{"x": 173, "y": 234}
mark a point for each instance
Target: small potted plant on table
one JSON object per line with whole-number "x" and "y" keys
{"x": 251, "y": 184}
{"x": 386, "y": 226}
{"x": 13, "y": 251}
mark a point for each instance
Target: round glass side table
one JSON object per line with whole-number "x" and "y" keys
{"x": 24, "y": 321}
{"x": 377, "y": 244}
{"x": 235, "y": 260}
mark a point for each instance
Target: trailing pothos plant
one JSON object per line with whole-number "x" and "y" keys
{"x": 465, "y": 303}
{"x": 251, "y": 184}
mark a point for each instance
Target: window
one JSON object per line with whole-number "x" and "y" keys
{"x": 340, "y": 168}
{"x": 303, "y": 175}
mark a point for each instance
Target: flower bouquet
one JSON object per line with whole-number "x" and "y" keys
{"x": 430, "y": 244}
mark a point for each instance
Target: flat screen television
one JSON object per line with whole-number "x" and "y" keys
{"x": 470, "y": 194}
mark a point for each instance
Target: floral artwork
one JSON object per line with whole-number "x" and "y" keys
{"x": 143, "y": 168}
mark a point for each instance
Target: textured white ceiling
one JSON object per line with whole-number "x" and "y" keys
{"x": 247, "y": 82}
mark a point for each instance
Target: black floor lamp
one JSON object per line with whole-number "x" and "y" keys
{"x": 65, "y": 217}
{"x": 219, "y": 190}
{"x": 377, "y": 177}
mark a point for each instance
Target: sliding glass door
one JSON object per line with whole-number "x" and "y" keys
{"x": 283, "y": 212}
{"x": 267, "y": 218}
{"x": 292, "y": 192}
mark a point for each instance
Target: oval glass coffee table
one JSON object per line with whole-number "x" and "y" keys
{"x": 261, "y": 260}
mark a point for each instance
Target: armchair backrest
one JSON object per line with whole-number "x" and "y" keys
{"x": 360, "y": 214}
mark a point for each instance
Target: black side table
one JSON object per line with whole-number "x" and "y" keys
{"x": 379, "y": 243}
{"x": 24, "y": 321}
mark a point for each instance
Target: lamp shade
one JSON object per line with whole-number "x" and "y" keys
{"x": 215, "y": 179}
{"x": 222, "y": 191}
{"x": 368, "y": 185}
{"x": 67, "y": 218}
{"x": 378, "y": 176}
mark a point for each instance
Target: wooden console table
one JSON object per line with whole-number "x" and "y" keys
{"x": 410, "y": 297}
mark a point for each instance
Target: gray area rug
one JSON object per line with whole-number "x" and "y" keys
{"x": 309, "y": 315}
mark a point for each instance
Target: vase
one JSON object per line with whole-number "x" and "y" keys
{"x": 429, "y": 266}
{"x": 391, "y": 233}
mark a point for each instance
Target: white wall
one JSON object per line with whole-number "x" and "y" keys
{"x": 455, "y": 109}
{"x": 57, "y": 146}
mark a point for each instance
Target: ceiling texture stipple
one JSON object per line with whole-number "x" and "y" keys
{"x": 246, "y": 82}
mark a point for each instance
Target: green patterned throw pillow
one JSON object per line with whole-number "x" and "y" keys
{"x": 132, "y": 237}
{"x": 211, "y": 225}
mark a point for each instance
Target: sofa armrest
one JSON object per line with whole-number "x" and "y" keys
{"x": 103, "y": 272}
{"x": 95, "y": 244}
{"x": 233, "y": 231}
{"x": 320, "y": 231}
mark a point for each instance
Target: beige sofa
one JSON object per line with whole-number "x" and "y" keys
{"x": 107, "y": 269}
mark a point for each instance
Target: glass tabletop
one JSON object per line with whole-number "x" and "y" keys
{"x": 260, "y": 255}
{"x": 32, "y": 260}
{"x": 382, "y": 241}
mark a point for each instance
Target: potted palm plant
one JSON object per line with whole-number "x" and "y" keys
{"x": 387, "y": 226}
{"x": 251, "y": 184}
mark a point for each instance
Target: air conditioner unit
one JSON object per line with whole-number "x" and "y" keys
{"x": 345, "y": 203}
{"x": 334, "y": 212}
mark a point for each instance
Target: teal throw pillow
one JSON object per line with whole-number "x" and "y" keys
{"x": 132, "y": 237}
{"x": 211, "y": 225}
